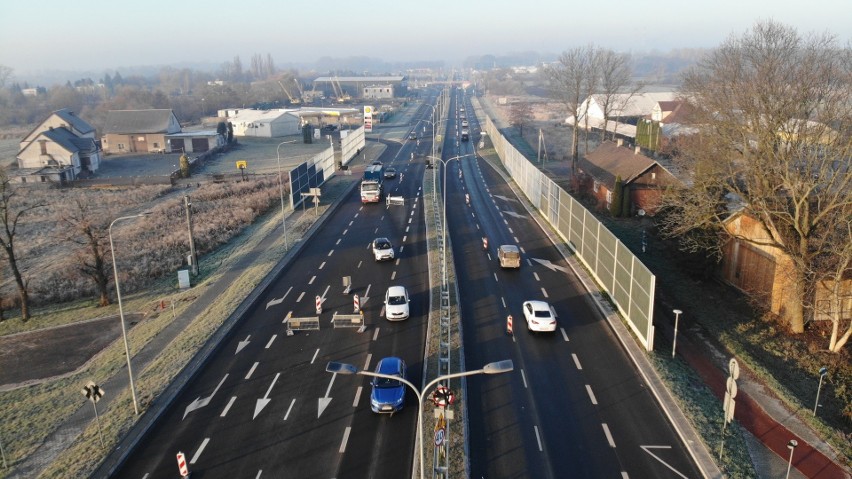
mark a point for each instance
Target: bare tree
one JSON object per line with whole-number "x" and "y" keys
{"x": 834, "y": 272}
{"x": 616, "y": 83}
{"x": 12, "y": 208}
{"x": 774, "y": 112}
{"x": 86, "y": 228}
{"x": 520, "y": 115}
{"x": 568, "y": 81}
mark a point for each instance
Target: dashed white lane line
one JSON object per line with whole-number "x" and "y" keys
{"x": 608, "y": 435}
{"x": 564, "y": 334}
{"x": 287, "y": 414}
{"x": 400, "y": 250}
{"x": 524, "y": 378}
{"x": 338, "y": 241}
{"x": 536, "y": 277}
{"x": 359, "y": 264}
{"x": 331, "y": 252}
{"x": 259, "y": 472}
{"x": 251, "y": 371}
{"x": 591, "y": 395}
{"x": 576, "y": 361}
{"x": 523, "y": 251}
{"x": 393, "y": 276}
{"x": 624, "y": 475}
{"x": 376, "y": 334}
{"x": 409, "y": 220}
{"x": 345, "y": 231}
{"x": 316, "y": 353}
{"x": 404, "y": 238}
{"x": 300, "y": 297}
{"x": 357, "y": 396}
{"x": 407, "y": 228}
{"x": 538, "y": 439}
{"x": 200, "y": 450}
{"x": 312, "y": 279}
{"x": 495, "y": 278}
{"x": 322, "y": 265}
{"x": 503, "y": 300}
{"x": 396, "y": 263}
{"x": 544, "y": 292}
{"x": 270, "y": 341}
{"x": 367, "y": 362}
{"x": 350, "y": 223}
{"x": 516, "y": 239}
{"x": 345, "y": 439}
{"x": 228, "y": 406}
{"x": 511, "y": 232}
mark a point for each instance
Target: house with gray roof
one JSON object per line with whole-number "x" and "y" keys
{"x": 643, "y": 178}
{"x": 59, "y": 149}
{"x": 139, "y": 131}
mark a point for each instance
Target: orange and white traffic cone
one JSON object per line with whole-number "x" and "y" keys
{"x": 509, "y": 330}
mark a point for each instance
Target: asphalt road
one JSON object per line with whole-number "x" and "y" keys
{"x": 575, "y": 406}
{"x": 264, "y": 406}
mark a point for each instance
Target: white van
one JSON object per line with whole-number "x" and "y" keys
{"x": 509, "y": 256}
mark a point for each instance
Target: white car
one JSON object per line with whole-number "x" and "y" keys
{"x": 382, "y": 249}
{"x": 396, "y": 303}
{"x": 539, "y": 316}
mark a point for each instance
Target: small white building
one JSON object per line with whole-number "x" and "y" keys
{"x": 378, "y": 92}
{"x": 262, "y": 123}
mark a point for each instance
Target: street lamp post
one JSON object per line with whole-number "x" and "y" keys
{"x": 498, "y": 367}
{"x": 677, "y": 314}
{"x": 281, "y": 190}
{"x": 121, "y": 308}
{"x": 822, "y": 372}
{"x": 792, "y": 447}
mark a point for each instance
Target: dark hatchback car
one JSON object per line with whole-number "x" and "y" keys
{"x": 388, "y": 395}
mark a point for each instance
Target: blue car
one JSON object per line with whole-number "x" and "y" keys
{"x": 388, "y": 395}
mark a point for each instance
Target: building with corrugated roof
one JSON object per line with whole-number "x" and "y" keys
{"x": 138, "y": 131}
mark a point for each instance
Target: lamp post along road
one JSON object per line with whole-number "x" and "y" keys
{"x": 498, "y": 367}
{"x": 677, "y": 314}
{"x": 121, "y": 308}
{"x": 444, "y": 213}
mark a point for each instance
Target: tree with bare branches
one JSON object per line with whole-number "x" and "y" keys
{"x": 616, "y": 85}
{"x": 520, "y": 115}
{"x": 12, "y": 209}
{"x": 86, "y": 228}
{"x": 569, "y": 81}
{"x": 774, "y": 114}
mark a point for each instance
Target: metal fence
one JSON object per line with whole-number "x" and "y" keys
{"x": 628, "y": 282}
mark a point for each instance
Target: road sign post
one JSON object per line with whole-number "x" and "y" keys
{"x": 94, "y": 393}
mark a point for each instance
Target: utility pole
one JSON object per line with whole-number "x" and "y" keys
{"x": 192, "y": 256}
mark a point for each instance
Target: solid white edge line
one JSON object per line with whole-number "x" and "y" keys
{"x": 357, "y": 396}
{"x": 608, "y": 435}
{"x": 287, "y": 414}
{"x": 591, "y": 395}
{"x": 228, "y": 406}
{"x": 345, "y": 439}
{"x": 200, "y": 450}
{"x": 576, "y": 361}
{"x": 538, "y": 438}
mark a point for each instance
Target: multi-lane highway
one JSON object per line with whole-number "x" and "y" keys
{"x": 575, "y": 406}
{"x": 264, "y": 406}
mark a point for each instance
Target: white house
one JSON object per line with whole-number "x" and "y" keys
{"x": 59, "y": 149}
{"x": 624, "y": 110}
{"x": 262, "y": 123}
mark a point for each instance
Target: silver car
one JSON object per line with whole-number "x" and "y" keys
{"x": 382, "y": 249}
{"x": 396, "y": 303}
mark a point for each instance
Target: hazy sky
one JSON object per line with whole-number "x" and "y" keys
{"x": 103, "y": 35}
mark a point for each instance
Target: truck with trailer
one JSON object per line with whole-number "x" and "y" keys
{"x": 371, "y": 184}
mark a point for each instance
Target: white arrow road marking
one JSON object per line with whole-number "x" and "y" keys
{"x": 201, "y": 402}
{"x": 243, "y": 344}
{"x": 324, "y": 401}
{"x": 279, "y": 300}
{"x": 262, "y": 402}
{"x": 646, "y": 449}
{"x": 549, "y": 265}
{"x": 366, "y": 296}
{"x": 324, "y": 293}
{"x": 513, "y": 214}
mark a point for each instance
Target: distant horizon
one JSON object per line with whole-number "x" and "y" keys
{"x": 104, "y": 36}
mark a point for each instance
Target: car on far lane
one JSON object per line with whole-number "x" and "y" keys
{"x": 412, "y": 135}
{"x": 396, "y": 303}
{"x": 539, "y": 316}
{"x": 388, "y": 395}
{"x": 390, "y": 172}
{"x": 382, "y": 249}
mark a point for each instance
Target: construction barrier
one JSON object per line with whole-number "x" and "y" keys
{"x": 182, "y": 467}
{"x": 509, "y": 329}
{"x": 347, "y": 320}
{"x": 356, "y": 304}
{"x": 319, "y": 305}
{"x": 310, "y": 323}
{"x": 395, "y": 200}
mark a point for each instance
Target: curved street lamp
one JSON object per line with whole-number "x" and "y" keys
{"x": 444, "y": 206}
{"x": 497, "y": 367}
{"x": 121, "y": 308}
